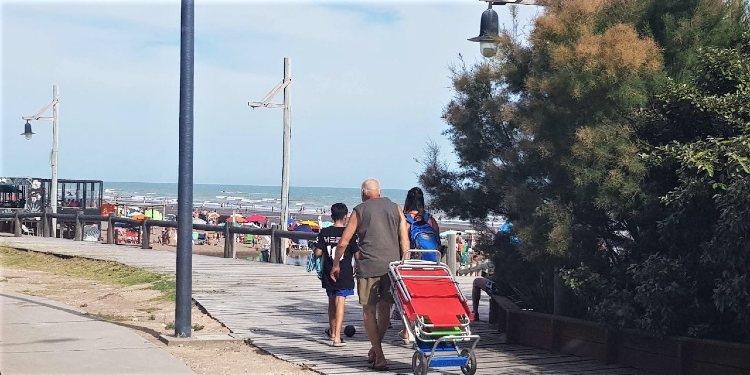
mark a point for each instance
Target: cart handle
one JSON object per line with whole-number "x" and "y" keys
{"x": 424, "y": 251}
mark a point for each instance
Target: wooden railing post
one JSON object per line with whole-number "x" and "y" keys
{"x": 51, "y": 230}
{"x": 274, "y": 245}
{"x": 110, "y": 228}
{"x": 228, "y": 241}
{"x": 145, "y": 234}
{"x": 17, "y": 225}
{"x": 45, "y": 224}
{"x": 78, "y": 236}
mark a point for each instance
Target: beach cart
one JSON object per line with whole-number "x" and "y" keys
{"x": 436, "y": 313}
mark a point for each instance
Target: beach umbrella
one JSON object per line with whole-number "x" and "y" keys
{"x": 310, "y": 223}
{"x": 198, "y": 221}
{"x": 135, "y": 213}
{"x": 138, "y": 217}
{"x": 256, "y": 218}
{"x": 153, "y": 214}
{"x": 213, "y": 215}
{"x": 326, "y": 224}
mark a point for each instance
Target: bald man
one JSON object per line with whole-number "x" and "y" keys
{"x": 383, "y": 238}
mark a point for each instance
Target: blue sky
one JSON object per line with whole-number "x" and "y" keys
{"x": 370, "y": 81}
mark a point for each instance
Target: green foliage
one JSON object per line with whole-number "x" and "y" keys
{"x": 618, "y": 142}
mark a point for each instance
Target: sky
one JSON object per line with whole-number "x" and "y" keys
{"x": 369, "y": 84}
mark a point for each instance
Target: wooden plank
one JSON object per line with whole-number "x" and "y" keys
{"x": 282, "y": 310}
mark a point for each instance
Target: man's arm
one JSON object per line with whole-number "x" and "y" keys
{"x": 403, "y": 235}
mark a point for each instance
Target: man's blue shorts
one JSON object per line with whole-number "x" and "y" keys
{"x": 339, "y": 292}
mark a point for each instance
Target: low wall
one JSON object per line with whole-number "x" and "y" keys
{"x": 662, "y": 355}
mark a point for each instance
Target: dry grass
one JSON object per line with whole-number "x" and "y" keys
{"x": 95, "y": 270}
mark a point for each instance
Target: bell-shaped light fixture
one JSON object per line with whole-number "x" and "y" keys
{"x": 488, "y": 31}
{"x": 27, "y": 130}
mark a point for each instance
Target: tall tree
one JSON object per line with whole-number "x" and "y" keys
{"x": 582, "y": 137}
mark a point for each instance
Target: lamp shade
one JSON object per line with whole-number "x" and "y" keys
{"x": 27, "y": 131}
{"x": 488, "y": 31}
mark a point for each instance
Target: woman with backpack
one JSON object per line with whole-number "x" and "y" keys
{"x": 424, "y": 233}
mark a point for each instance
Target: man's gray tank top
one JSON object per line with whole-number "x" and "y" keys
{"x": 377, "y": 232}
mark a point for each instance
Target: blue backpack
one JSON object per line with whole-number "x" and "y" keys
{"x": 422, "y": 235}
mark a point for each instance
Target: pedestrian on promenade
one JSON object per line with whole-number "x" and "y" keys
{"x": 422, "y": 228}
{"x": 483, "y": 283}
{"x": 381, "y": 231}
{"x": 424, "y": 232}
{"x": 337, "y": 290}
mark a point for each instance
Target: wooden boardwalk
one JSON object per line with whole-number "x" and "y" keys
{"x": 282, "y": 310}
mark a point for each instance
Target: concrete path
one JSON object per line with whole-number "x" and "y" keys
{"x": 39, "y": 336}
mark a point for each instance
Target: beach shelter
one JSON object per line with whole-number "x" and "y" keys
{"x": 236, "y": 218}
{"x": 153, "y": 214}
{"x": 108, "y": 208}
{"x": 256, "y": 218}
{"x": 304, "y": 228}
{"x": 313, "y": 224}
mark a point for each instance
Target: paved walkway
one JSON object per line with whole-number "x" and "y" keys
{"x": 39, "y": 336}
{"x": 282, "y": 310}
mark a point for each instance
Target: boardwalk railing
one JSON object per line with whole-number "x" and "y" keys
{"x": 145, "y": 226}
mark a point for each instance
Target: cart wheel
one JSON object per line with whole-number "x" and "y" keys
{"x": 419, "y": 363}
{"x": 471, "y": 365}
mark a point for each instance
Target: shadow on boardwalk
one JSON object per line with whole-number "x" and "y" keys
{"x": 282, "y": 310}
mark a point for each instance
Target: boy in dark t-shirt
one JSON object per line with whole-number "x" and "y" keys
{"x": 338, "y": 290}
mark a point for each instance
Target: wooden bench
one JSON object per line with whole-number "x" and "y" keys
{"x": 499, "y": 307}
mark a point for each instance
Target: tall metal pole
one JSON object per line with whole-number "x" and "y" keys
{"x": 53, "y": 156}
{"x": 286, "y": 151}
{"x": 184, "y": 270}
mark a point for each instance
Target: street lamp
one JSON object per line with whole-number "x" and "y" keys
{"x": 27, "y": 133}
{"x": 55, "y": 104}
{"x": 489, "y": 26}
{"x": 285, "y": 85}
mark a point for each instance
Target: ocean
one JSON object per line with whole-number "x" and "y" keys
{"x": 263, "y": 198}
{"x": 249, "y": 198}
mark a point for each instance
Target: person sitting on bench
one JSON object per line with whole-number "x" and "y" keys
{"x": 483, "y": 283}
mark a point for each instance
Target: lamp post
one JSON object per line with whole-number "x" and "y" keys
{"x": 184, "y": 256}
{"x": 55, "y": 104}
{"x": 489, "y": 26}
{"x": 285, "y": 84}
